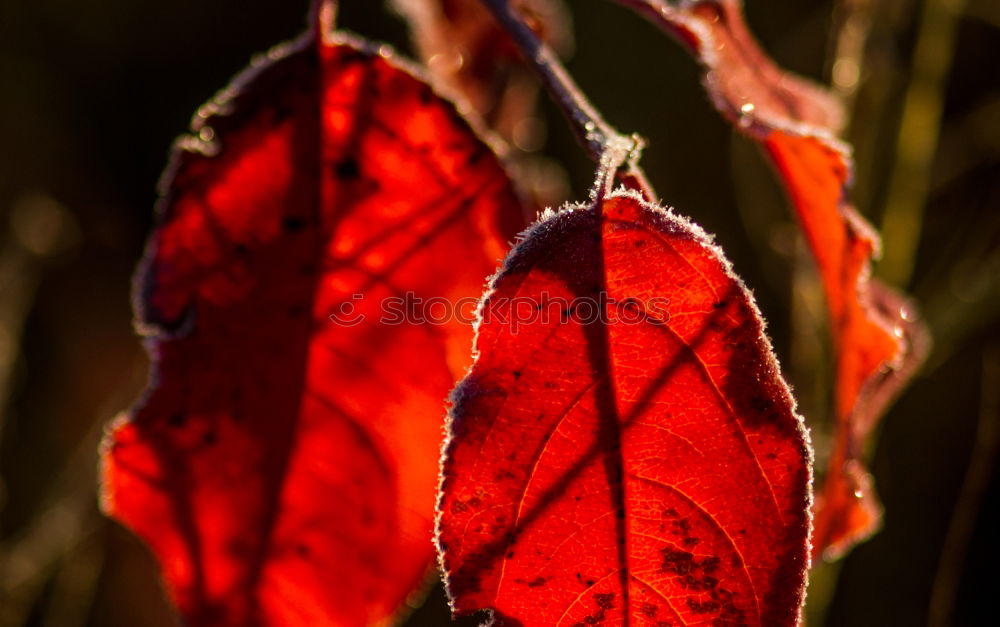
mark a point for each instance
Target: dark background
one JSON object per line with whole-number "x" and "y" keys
{"x": 93, "y": 93}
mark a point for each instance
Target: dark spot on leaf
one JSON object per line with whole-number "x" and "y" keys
{"x": 605, "y": 601}
{"x": 676, "y": 562}
{"x": 293, "y": 224}
{"x": 350, "y": 56}
{"x": 702, "y": 607}
{"x": 474, "y": 157}
{"x": 347, "y": 169}
{"x": 761, "y": 404}
{"x": 504, "y": 475}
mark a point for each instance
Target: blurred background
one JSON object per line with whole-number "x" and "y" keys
{"x": 93, "y": 93}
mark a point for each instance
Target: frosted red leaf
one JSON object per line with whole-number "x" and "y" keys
{"x": 876, "y": 334}
{"x": 282, "y": 466}
{"x": 624, "y": 450}
{"x": 879, "y": 341}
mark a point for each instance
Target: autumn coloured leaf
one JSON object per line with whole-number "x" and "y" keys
{"x": 624, "y": 450}
{"x": 283, "y": 464}
{"x": 742, "y": 81}
{"x": 877, "y": 336}
{"x": 878, "y": 339}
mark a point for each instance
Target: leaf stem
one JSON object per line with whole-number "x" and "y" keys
{"x": 323, "y": 17}
{"x": 605, "y": 145}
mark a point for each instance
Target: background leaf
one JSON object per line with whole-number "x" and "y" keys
{"x": 283, "y": 464}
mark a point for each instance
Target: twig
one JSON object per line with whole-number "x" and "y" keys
{"x": 605, "y": 145}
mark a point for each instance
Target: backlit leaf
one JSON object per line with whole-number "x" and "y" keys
{"x": 624, "y": 450}
{"x": 879, "y": 341}
{"x": 283, "y": 466}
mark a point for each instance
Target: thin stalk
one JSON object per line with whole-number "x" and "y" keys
{"x": 323, "y": 15}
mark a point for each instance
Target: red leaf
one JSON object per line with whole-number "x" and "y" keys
{"x": 737, "y": 72}
{"x": 283, "y": 467}
{"x": 645, "y": 467}
{"x": 878, "y": 340}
